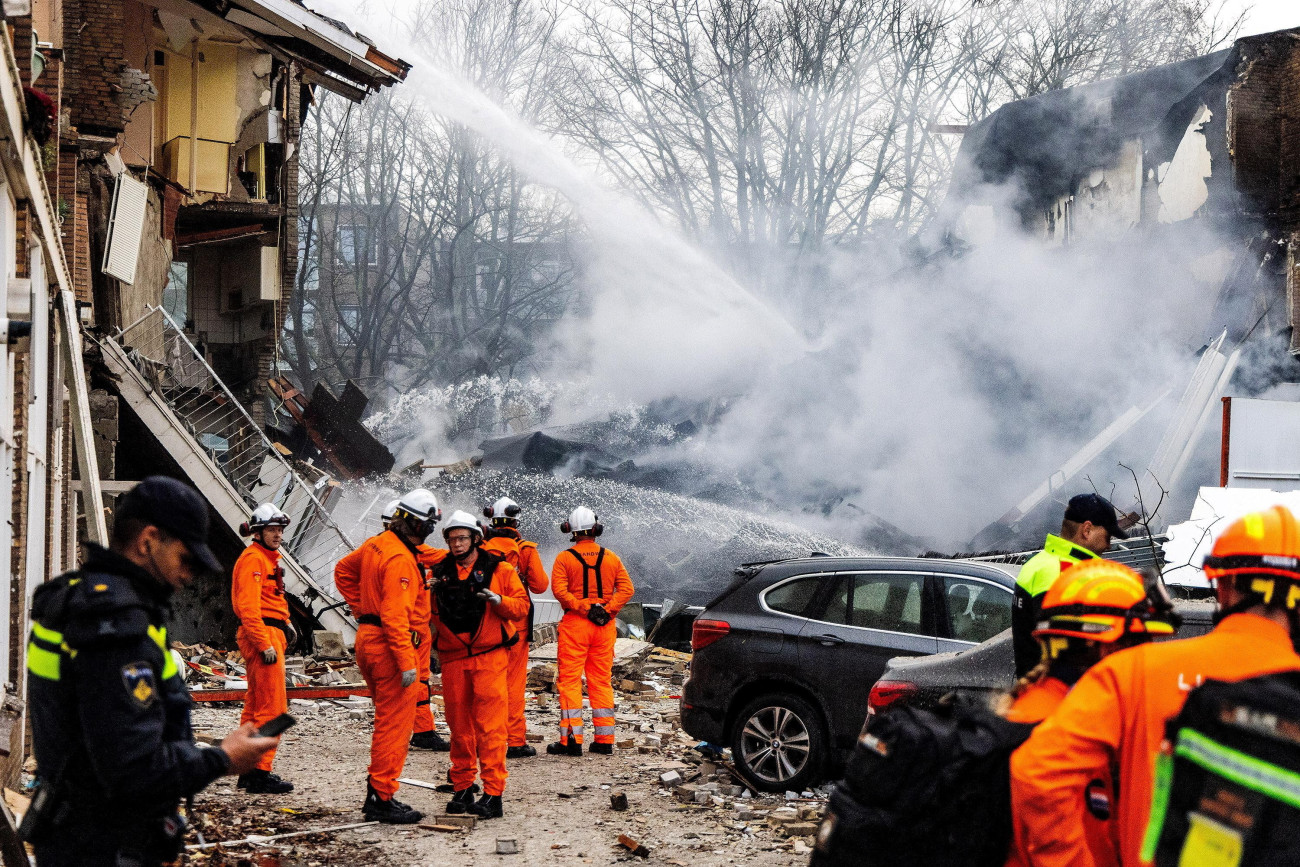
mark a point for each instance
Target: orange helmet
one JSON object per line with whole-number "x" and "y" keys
{"x": 1262, "y": 547}
{"x": 1102, "y": 601}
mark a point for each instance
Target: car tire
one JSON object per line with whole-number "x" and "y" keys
{"x": 778, "y": 743}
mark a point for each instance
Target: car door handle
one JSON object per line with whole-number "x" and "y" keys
{"x": 829, "y": 640}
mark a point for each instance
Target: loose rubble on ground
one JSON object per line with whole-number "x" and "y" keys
{"x": 662, "y": 796}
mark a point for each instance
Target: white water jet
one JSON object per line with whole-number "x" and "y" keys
{"x": 665, "y": 320}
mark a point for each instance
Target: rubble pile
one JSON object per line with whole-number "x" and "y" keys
{"x": 331, "y": 665}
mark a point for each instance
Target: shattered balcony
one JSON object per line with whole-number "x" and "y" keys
{"x": 228, "y": 457}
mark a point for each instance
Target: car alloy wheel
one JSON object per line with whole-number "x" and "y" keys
{"x": 775, "y": 744}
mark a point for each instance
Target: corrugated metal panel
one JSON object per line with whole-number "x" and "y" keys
{"x": 125, "y": 228}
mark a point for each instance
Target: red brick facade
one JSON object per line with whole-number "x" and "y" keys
{"x": 95, "y": 62}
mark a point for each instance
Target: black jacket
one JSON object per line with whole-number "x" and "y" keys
{"x": 110, "y": 713}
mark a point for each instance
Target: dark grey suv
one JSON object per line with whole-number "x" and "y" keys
{"x": 785, "y": 657}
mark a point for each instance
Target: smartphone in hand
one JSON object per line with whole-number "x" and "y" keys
{"x": 276, "y": 726}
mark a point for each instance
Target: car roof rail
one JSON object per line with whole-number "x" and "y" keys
{"x": 749, "y": 570}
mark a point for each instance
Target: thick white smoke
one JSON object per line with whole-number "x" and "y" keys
{"x": 938, "y": 393}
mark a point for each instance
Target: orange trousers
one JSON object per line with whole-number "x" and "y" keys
{"x": 586, "y": 648}
{"x": 476, "y": 710}
{"x": 517, "y": 684}
{"x": 266, "y": 698}
{"x": 394, "y": 708}
{"x": 424, "y": 673}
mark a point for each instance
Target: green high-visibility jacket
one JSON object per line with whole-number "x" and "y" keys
{"x": 1035, "y": 577}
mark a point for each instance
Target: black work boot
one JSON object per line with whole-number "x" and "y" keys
{"x": 524, "y": 752}
{"x": 260, "y": 782}
{"x": 560, "y": 748}
{"x": 461, "y": 802}
{"x": 388, "y": 811}
{"x": 429, "y": 740}
{"x": 601, "y": 749}
{"x": 487, "y": 807}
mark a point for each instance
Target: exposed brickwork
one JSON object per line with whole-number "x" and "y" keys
{"x": 21, "y": 28}
{"x": 95, "y": 58}
{"x": 1264, "y": 131}
{"x": 81, "y": 280}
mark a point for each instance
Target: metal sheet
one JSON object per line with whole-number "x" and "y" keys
{"x": 1264, "y": 447}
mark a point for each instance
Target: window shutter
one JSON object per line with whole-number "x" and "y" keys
{"x": 125, "y": 228}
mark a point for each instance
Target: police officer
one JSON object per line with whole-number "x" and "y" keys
{"x": 110, "y": 714}
{"x": 1089, "y": 524}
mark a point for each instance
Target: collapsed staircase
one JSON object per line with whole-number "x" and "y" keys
{"x": 227, "y": 456}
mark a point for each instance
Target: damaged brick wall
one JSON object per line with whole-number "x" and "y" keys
{"x": 95, "y": 63}
{"x": 1264, "y": 137}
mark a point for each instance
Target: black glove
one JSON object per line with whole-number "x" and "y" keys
{"x": 598, "y": 615}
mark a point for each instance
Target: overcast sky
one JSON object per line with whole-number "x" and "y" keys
{"x": 1268, "y": 15}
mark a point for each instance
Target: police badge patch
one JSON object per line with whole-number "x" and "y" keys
{"x": 139, "y": 681}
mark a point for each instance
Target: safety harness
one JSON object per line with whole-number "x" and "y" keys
{"x": 587, "y": 569}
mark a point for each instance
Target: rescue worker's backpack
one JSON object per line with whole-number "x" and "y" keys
{"x": 925, "y": 788}
{"x": 1227, "y": 785}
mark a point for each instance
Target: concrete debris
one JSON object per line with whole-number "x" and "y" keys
{"x": 329, "y": 645}
{"x": 507, "y": 847}
{"x": 209, "y": 668}
{"x": 618, "y": 801}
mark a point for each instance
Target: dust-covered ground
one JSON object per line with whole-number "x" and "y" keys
{"x": 557, "y": 810}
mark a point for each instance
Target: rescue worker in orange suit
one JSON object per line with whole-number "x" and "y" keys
{"x": 425, "y": 736}
{"x": 391, "y": 577}
{"x": 477, "y": 599}
{"x": 1093, "y": 610}
{"x": 591, "y": 585}
{"x": 502, "y": 538}
{"x": 264, "y": 634}
{"x": 1115, "y": 716}
{"x": 347, "y": 578}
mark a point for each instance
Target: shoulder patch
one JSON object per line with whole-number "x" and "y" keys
{"x": 140, "y": 684}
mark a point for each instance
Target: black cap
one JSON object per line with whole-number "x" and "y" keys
{"x": 175, "y": 507}
{"x": 1098, "y": 510}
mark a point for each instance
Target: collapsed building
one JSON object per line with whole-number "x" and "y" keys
{"x": 150, "y": 239}
{"x": 1211, "y": 144}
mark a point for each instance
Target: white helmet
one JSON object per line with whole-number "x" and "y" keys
{"x": 503, "y": 511}
{"x": 265, "y": 515}
{"x": 582, "y": 520}
{"x": 389, "y": 511}
{"x": 462, "y": 521}
{"x": 420, "y": 504}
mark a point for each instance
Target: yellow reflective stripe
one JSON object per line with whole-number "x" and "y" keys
{"x": 159, "y": 636}
{"x": 41, "y": 662}
{"x": 46, "y": 633}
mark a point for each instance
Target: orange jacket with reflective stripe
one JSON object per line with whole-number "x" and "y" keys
{"x": 497, "y": 625}
{"x": 422, "y": 612}
{"x": 390, "y": 580}
{"x": 257, "y": 591}
{"x": 1034, "y": 705}
{"x": 347, "y": 578}
{"x": 567, "y": 575}
{"x": 1115, "y": 717}
{"x": 524, "y": 557}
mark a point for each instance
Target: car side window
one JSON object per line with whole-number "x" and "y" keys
{"x": 878, "y": 600}
{"x": 976, "y": 611}
{"x": 793, "y": 597}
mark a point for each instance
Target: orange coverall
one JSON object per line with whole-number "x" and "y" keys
{"x": 474, "y": 675}
{"x": 524, "y": 557}
{"x": 390, "y": 580}
{"x": 1115, "y": 718}
{"x": 1033, "y": 706}
{"x": 257, "y": 595}
{"x": 584, "y": 646}
{"x": 347, "y": 578}
{"x": 420, "y": 622}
